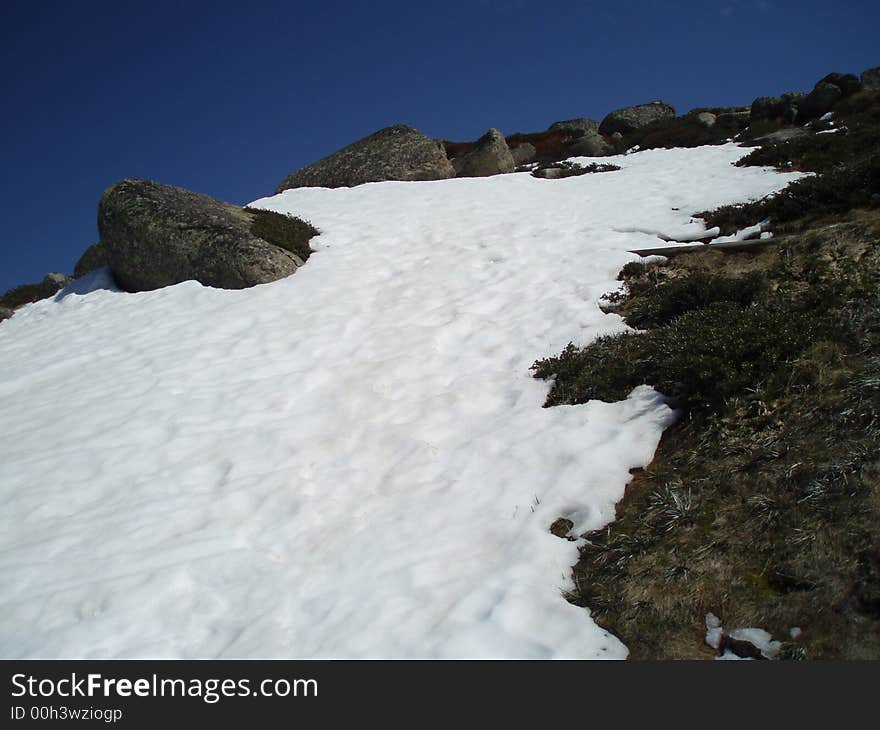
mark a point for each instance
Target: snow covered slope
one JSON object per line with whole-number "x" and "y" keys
{"x": 352, "y": 462}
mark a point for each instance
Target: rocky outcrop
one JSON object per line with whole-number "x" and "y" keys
{"x": 158, "y": 235}
{"x": 489, "y": 156}
{"x": 707, "y": 119}
{"x": 631, "y": 118}
{"x": 95, "y": 257}
{"x": 549, "y": 146}
{"x": 523, "y": 154}
{"x": 590, "y": 145}
{"x": 795, "y": 107}
{"x": 848, "y": 84}
{"x": 5, "y": 313}
{"x": 394, "y": 153}
{"x": 825, "y": 94}
{"x": 819, "y": 101}
{"x": 783, "y": 107}
{"x": 580, "y": 126}
{"x": 870, "y": 79}
{"x": 27, "y": 293}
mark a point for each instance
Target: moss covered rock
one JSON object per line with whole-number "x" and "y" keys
{"x": 158, "y": 235}
{"x": 591, "y": 144}
{"x": 489, "y": 156}
{"x": 631, "y": 118}
{"x": 580, "y": 126}
{"x": 393, "y": 153}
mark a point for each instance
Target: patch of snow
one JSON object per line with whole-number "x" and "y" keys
{"x": 745, "y": 234}
{"x": 694, "y": 230}
{"x": 714, "y": 632}
{"x": 350, "y": 462}
{"x": 759, "y": 638}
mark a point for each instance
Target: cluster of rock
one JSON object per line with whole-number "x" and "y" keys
{"x": 404, "y": 153}
{"x": 155, "y": 235}
{"x": 580, "y": 137}
{"x": 381, "y": 156}
{"x": 795, "y": 107}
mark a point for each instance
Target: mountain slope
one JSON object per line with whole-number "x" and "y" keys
{"x": 353, "y": 461}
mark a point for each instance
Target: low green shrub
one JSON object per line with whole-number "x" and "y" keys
{"x": 632, "y": 270}
{"x": 837, "y": 191}
{"x": 23, "y": 294}
{"x": 700, "y": 359}
{"x": 27, "y": 293}
{"x": 659, "y": 305}
{"x": 285, "y": 231}
{"x": 820, "y": 153}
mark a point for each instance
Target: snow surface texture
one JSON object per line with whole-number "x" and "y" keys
{"x": 353, "y": 461}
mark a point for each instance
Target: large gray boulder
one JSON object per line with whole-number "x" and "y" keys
{"x": 393, "y": 153}
{"x": 158, "y": 235}
{"x": 580, "y": 126}
{"x": 590, "y": 145}
{"x": 490, "y": 156}
{"x": 523, "y": 154}
{"x": 870, "y": 79}
{"x": 95, "y": 257}
{"x": 631, "y": 118}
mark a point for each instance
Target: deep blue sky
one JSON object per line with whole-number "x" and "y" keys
{"x": 226, "y": 98}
